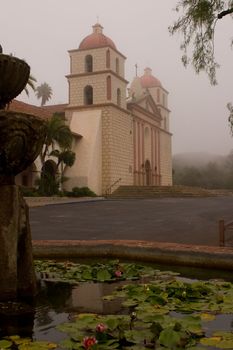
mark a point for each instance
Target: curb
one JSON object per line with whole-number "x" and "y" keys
{"x": 33, "y": 202}
{"x": 157, "y": 252}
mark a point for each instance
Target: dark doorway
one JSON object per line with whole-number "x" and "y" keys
{"x": 148, "y": 172}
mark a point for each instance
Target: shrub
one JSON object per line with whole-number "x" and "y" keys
{"x": 29, "y": 191}
{"x": 81, "y": 192}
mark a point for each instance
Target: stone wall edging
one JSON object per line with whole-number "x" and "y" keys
{"x": 154, "y": 252}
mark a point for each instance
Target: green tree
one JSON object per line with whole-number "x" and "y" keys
{"x": 197, "y": 26}
{"x": 230, "y": 118}
{"x": 30, "y": 84}
{"x": 64, "y": 157}
{"x": 44, "y": 92}
{"x": 229, "y": 170}
{"x": 188, "y": 176}
{"x": 58, "y": 134}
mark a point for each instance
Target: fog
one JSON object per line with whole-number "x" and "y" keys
{"x": 41, "y": 32}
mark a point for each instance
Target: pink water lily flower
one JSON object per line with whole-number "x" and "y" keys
{"x": 88, "y": 342}
{"x": 118, "y": 273}
{"x": 101, "y": 328}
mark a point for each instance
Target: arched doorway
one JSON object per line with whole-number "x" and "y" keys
{"x": 148, "y": 172}
{"x": 48, "y": 183}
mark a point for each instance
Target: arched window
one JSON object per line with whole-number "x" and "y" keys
{"x": 117, "y": 65}
{"x": 88, "y": 63}
{"x": 158, "y": 95}
{"x": 109, "y": 88}
{"x": 88, "y": 95}
{"x": 118, "y": 97}
{"x": 108, "y": 58}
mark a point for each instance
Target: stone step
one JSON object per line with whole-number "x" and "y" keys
{"x": 158, "y": 192}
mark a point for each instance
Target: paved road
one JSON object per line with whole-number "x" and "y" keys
{"x": 180, "y": 220}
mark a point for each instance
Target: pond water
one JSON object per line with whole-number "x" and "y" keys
{"x": 58, "y": 302}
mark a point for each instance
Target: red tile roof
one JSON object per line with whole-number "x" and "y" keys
{"x": 56, "y": 108}
{"x": 44, "y": 112}
{"x": 96, "y": 39}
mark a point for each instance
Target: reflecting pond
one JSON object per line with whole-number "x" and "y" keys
{"x": 168, "y": 298}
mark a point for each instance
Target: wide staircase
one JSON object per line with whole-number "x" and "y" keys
{"x": 137, "y": 192}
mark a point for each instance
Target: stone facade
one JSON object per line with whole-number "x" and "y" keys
{"x": 117, "y": 148}
{"x": 165, "y": 159}
{"x": 98, "y": 81}
{"x": 77, "y": 60}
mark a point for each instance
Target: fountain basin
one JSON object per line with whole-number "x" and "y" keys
{"x": 21, "y": 139}
{"x": 14, "y": 74}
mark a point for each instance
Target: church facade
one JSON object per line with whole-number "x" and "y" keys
{"x": 121, "y": 136}
{"x": 124, "y": 140}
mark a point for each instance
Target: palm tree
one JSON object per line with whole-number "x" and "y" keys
{"x": 44, "y": 91}
{"x": 31, "y": 83}
{"x": 57, "y": 132}
{"x": 66, "y": 157}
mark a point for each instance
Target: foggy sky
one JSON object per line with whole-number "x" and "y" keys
{"x": 41, "y": 32}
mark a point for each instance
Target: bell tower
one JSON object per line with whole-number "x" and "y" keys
{"x": 97, "y": 72}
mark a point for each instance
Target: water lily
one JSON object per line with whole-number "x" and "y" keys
{"x": 101, "y": 328}
{"x": 88, "y": 342}
{"x": 118, "y": 273}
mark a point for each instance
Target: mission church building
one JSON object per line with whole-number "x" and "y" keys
{"x": 118, "y": 139}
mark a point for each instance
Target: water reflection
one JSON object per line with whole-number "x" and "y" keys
{"x": 58, "y": 302}
{"x": 16, "y": 318}
{"x": 88, "y": 297}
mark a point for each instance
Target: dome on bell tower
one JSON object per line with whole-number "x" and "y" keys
{"x": 148, "y": 80}
{"x": 96, "y": 40}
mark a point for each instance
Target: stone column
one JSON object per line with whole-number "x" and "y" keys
{"x": 17, "y": 274}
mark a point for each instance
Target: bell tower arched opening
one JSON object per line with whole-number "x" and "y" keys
{"x": 88, "y": 63}
{"x": 88, "y": 95}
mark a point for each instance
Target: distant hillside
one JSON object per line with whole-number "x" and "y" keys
{"x": 204, "y": 170}
{"x": 196, "y": 159}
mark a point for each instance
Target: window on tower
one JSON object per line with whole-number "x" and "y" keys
{"x": 108, "y": 58}
{"x": 118, "y": 97}
{"x": 88, "y": 63}
{"x": 88, "y": 95}
{"x": 158, "y": 95}
{"x": 109, "y": 88}
{"x": 117, "y": 65}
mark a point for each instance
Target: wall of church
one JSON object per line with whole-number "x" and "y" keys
{"x": 77, "y": 85}
{"x": 117, "y": 147}
{"x": 160, "y": 96}
{"x": 98, "y": 82}
{"x": 165, "y": 159}
{"x": 165, "y": 124}
{"x": 118, "y": 84}
{"x": 113, "y": 63}
{"x": 87, "y": 170}
{"x": 77, "y": 60}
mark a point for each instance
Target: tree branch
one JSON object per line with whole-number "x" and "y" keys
{"x": 225, "y": 13}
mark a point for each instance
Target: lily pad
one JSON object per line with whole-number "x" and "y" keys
{"x": 5, "y": 344}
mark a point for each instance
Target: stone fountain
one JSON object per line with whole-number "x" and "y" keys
{"x": 21, "y": 139}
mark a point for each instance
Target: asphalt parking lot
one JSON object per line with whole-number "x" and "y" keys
{"x": 179, "y": 220}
